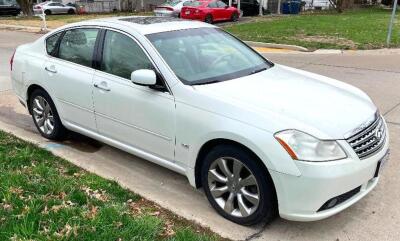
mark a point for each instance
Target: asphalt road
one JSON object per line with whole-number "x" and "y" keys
{"x": 376, "y": 217}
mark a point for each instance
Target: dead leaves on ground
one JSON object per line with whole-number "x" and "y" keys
{"x": 96, "y": 194}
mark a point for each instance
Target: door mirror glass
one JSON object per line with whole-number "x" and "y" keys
{"x": 145, "y": 77}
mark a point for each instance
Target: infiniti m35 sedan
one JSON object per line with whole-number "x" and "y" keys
{"x": 261, "y": 139}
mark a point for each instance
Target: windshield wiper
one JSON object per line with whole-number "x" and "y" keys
{"x": 208, "y": 82}
{"x": 258, "y": 70}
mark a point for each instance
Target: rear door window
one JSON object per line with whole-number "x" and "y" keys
{"x": 77, "y": 46}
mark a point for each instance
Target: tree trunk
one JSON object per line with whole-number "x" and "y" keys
{"x": 26, "y": 6}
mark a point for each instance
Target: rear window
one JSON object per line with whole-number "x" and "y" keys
{"x": 171, "y": 3}
{"x": 193, "y": 3}
{"x": 51, "y": 43}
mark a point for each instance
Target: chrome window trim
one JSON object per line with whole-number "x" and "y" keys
{"x": 100, "y": 27}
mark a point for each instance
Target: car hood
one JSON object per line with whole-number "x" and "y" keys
{"x": 296, "y": 99}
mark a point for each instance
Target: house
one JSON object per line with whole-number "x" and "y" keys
{"x": 118, "y": 5}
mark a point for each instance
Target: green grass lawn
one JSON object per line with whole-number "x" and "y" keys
{"x": 355, "y": 29}
{"x": 43, "y": 197}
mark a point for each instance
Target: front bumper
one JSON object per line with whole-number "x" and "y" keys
{"x": 301, "y": 197}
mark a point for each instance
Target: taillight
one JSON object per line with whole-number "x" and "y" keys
{"x": 38, "y": 7}
{"x": 166, "y": 8}
{"x": 12, "y": 61}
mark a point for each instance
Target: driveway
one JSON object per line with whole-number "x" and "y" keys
{"x": 376, "y": 217}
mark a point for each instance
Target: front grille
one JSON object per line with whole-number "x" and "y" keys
{"x": 369, "y": 140}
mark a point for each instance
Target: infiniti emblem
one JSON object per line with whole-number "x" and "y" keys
{"x": 378, "y": 134}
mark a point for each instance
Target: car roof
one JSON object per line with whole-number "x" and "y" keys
{"x": 145, "y": 24}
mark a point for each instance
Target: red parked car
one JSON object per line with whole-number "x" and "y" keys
{"x": 209, "y": 11}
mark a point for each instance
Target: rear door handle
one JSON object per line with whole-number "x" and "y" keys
{"x": 101, "y": 87}
{"x": 50, "y": 70}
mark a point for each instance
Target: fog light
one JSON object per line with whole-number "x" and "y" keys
{"x": 332, "y": 202}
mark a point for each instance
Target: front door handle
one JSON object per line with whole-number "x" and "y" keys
{"x": 50, "y": 70}
{"x": 101, "y": 87}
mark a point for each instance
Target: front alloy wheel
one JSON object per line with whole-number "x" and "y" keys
{"x": 238, "y": 185}
{"x": 233, "y": 187}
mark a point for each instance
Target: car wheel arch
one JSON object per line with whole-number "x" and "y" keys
{"x": 209, "y": 145}
{"x": 31, "y": 89}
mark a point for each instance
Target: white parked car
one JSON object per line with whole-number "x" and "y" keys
{"x": 262, "y": 139}
{"x": 53, "y": 8}
{"x": 170, "y": 8}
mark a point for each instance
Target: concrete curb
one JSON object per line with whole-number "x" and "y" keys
{"x": 19, "y": 27}
{"x": 277, "y": 46}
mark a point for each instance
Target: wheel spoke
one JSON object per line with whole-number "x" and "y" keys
{"x": 223, "y": 165}
{"x": 215, "y": 176}
{"x": 229, "y": 203}
{"x": 40, "y": 121}
{"x": 49, "y": 125}
{"x": 244, "y": 210}
{"x": 237, "y": 167}
{"x": 251, "y": 197}
{"x": 38, "y": 105}
{"x": 42, "y": 103}
{"x": 218, "y": 191}
{"x": 47, "y": 107}
{"x": 50, "y": 118}
{"x": 38, "y": 111}
{"x": 45, "y": 129}
{"x": 248, "y": 181}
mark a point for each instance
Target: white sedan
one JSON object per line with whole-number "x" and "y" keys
{"x": 262, "y": 139}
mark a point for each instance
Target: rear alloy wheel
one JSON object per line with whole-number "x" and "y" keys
{"x": 235, "y": 17}
{"x": 71, "y": 11}
{"x": 237, "y": 186}
{"x": 45, "y": 116}
{"x": 209, "y": 19}
{"x": 47, "y": 12}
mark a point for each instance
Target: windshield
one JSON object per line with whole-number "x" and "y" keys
{"x": 206, "y": 55}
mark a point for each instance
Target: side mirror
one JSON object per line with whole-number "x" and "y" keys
{"x": 144, "y": 77}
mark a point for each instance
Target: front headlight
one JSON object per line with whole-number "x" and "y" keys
{"x": 302, "y": 146}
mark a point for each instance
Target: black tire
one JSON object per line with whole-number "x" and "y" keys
{"x": 208, "y": 19}
{"x": 235, "y": 17}
{"x": 267, "y": 208}
{"x": 47, "y": 12}
{"x": 71, "y": 11}
{"x": 59, "y": 132}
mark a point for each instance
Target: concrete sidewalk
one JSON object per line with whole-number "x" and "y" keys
{"x": 376, "y": 217}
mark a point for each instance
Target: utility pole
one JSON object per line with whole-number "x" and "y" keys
{"x": 389, "y": 35}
